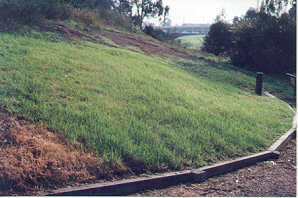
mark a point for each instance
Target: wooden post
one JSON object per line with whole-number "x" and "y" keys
{"x": 292, "y": 81}
{"x": 259, "y": 83}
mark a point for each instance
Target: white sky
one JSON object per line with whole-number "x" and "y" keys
{"x": 205, "y": 11}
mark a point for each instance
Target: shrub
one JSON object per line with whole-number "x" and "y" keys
{"x": 85, "y": 16}
{"x": 114, "y": 18}
{"x": 155, "y": 33}
{"x": 265, "y": 43}
{"x": 218, "y": 39}
{"x": 29, "y": 12}
{"x": 97, "y": 18}
{"x": 259, "y": 41}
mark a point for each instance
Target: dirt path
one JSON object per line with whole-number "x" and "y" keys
{"x": 270, "y": 178}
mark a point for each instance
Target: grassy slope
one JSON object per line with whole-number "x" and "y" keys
{"x": 192, "y": 41}
{"x": 221, "y": 71}
{"x": 133, "y": 107}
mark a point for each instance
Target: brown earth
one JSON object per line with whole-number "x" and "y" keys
{"x": 266, "y": 179}
{"x": 33, "y": 158}
{"x": 144, "y": 43}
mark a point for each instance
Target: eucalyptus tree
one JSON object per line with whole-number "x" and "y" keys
{"x": 139, "y": 10}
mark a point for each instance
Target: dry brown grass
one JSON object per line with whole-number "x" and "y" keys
{"x": 86, "y": 16}
{"x": 100, "y": 19}
{"x": 34, "y": 158}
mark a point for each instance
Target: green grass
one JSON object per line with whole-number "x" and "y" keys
{"x": 133, "y": 107}
{"x": 192, "y": 41}
{"x": 221, "y": 71}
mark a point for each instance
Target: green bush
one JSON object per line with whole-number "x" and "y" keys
{"x": 114, "y": 18}
{"x": 260, "y": 41}
{"x": 86, "y": 16}
{"x": 29, "y": 12}
{"x": 265, "y": 43}
{"x": 156, "y": 33}
{"x": 218, "y": 40}
{"x": 97, "y": 18}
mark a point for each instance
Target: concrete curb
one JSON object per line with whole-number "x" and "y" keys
{"x": 127, "y": 187}
{"x": 131, "y": 186}
{"x": 225, "y": 167}
{"x": 283, "y": 140}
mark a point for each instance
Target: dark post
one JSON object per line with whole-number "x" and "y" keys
{"x": 259, "y": 83}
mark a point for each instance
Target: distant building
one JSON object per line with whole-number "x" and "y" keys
{"x": 195, "y": 25}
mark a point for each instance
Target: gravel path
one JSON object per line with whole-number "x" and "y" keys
{"x": 270, "y": 178}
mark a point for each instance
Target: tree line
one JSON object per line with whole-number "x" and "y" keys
{"x": 263, "y": 40}
{"x": 136, "y": 10}
{"x": 33, "y": 11}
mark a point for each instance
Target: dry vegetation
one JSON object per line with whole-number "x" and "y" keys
{"x": 33, "y": 158}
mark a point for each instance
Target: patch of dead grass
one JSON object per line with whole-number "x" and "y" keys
{"x": 33, "y": 158}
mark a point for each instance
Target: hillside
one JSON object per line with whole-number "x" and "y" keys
{"x": 192, "y": 41}
{"x": 136, "y": 104}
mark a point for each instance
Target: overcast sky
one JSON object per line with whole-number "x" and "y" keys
{"x": 205, "y": 11}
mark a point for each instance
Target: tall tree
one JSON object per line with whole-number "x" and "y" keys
{"x": 139, "y": 10}
{"x": 266, "y": 40}
{"x": 124, "y": 7}
{"x": 165, "y": 14}
{"x": 277, "y": 7}
{"x": 147, "y": 8}
{"x": 251, "y": 13}
{"x": 218, "y": 40}
{"x": 221, "y": 17}
{"x": 167, "y": 22}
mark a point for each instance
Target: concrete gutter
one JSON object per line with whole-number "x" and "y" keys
{"x": 130, "y": 186}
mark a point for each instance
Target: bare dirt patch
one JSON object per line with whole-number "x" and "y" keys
{"x": 146, "y": 45}
{"x": 33, "y": 158}
{"x": 269, "y": 178}
{"x": 72, "y": 33}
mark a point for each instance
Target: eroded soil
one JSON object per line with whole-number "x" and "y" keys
{"x": 145, "y": 44}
